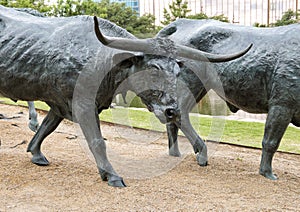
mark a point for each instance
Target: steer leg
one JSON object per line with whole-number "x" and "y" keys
{"x": 276, "y": 124}
{"x": 48, "y": 125}
{"x": 90, "y": 128}
{"x": 33, "y": 122}
{"x": 198, "y": 144}
{"x": 172, "y": 131}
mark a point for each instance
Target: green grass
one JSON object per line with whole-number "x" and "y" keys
{"x": 229, "y": 131}
{"x": 38, "y": 104}
{"x": 236, "y": 132}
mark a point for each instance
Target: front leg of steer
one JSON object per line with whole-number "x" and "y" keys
{"x": 90, "y": 125}
{"x": 198, "y": 144}
{"x": 172, "y": 131}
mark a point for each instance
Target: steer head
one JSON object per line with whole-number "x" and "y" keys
{"x": 156, "y": 85}
{"x": 154, "y": 79}
{"x": 154, "y": 70}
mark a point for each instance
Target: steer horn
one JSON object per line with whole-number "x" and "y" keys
{"x": 163, "y": 46}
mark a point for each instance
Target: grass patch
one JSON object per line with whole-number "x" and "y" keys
{"x": 38, "y": 104}
{"x": 236, "y": 132}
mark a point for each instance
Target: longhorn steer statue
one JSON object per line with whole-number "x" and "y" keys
{"x": 60, "y": 61}
{"x": 266, "y": 80}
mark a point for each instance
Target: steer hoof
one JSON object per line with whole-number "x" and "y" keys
{"x": 40, "y": 160}
{"x": 113, "y": 180}
{"x": 268, "y": 175}
{"x": 174, "y": 153}
{"x": 117, "y": 183}
{"x": 202, "y": 161}
{"x": 34, "y": 126}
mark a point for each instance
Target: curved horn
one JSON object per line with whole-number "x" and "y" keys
{"x": 155, "y": 46}
{"x": 135, "y": 45}
{"x": 195, "y": 54}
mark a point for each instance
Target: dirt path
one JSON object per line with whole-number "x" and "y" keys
{"x": 156, "y": 182}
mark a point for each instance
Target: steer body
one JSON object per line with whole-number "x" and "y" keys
{"x": 60, "y": 61}
{"x": 266, "y": 80}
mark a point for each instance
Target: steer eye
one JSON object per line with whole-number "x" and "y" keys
{"x": 155, "y": 66}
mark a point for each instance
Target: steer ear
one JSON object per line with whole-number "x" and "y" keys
{"x": 126, "y": 59}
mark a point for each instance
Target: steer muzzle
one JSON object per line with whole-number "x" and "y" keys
{"x": 172, "y": 114}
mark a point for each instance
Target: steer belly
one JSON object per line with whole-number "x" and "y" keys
{"x": 247, "y": 87}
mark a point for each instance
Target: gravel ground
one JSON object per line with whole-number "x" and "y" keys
{"x": 155, "y": 181}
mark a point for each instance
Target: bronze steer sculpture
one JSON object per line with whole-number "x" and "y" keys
{"x": 60, "y": 61}
{"x": 265, "y": 80}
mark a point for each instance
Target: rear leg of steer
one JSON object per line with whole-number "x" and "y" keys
{"x": 48, "y": 125}
{"x": 33, "y": 122}
{"x": 277, "y": 121}
{"x": 172, "y": 131}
